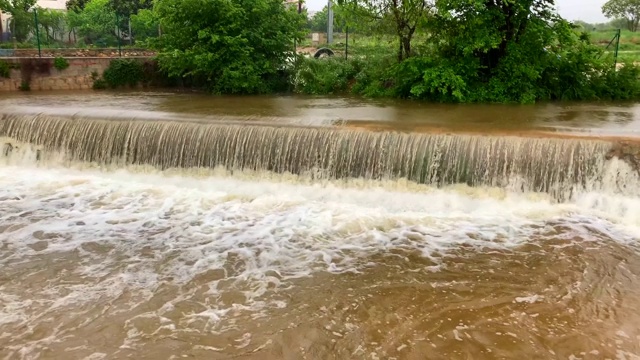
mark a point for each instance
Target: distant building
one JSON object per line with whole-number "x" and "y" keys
{"x": 53, "y": 4}
{"x": 4, "y": 21}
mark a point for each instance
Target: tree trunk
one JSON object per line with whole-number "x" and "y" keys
{"x": 404, "y": 47}
{"x": 1, "y": 29}
{"x": 406, "y": 44}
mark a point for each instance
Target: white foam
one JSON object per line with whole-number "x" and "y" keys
{"x": 135, "y": 231}
{"x": 529, "y": 299}
{"x": 329, "y": 225}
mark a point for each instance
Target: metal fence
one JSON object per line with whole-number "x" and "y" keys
{"x": 44, "y": 30}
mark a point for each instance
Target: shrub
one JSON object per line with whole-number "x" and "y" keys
{"x": 99, "y": 84}
{"x": 325, "y": 76}
{"x": 60, "y": 63}
{"x": 25, "y": 86}
{"x": 5, "y": 69}
{"x": 123, "y": 72}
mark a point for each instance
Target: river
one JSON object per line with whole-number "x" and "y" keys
{"x": 153, "y": 225}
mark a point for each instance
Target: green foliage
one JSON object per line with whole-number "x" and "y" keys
{"x": 404, "y": 17}
{"x": 516, "y": 51}
{"x": 132, "y": 73}
{"x": 96, "y": 23}
{"x": 144, "y": 25}
{"x": 123, "y": 72}
{"x": 378, "y": 76}
{"x": 76, "y": 5}
{"x": 611, "y": 25}
{"x": 5, "y": 69}
{"x": 127, "y": 8}
{"x": 60, "y": 63}
{"x": 25, "y": 86}
{"x": 623, "y": 9}
{"x": 22, "y": 20}
{"x": 52, "y": 25}
{"x": 325, "y": 76}
{"x": 319, "y": 21}
{"x": 229, "y": 46}
{"x": 520, "y": 52}
{"x": 100, "y": 84}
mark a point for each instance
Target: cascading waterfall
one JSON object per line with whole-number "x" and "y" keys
{"x": 552, "y": 165}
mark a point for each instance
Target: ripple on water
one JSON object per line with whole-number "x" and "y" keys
{"x": 146, "y": 264}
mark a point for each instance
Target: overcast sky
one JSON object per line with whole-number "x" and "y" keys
{"x": 587, "y": 10}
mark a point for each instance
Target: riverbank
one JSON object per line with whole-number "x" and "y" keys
{"x": 76, "y": 73}
{"x": 39, "y": 74}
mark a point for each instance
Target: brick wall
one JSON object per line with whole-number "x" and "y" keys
{"x": 76, "y": 77}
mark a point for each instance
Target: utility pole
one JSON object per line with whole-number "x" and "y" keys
{"x": 35, "y": 15}
{"x": 615, "y": 56}
{"x": 1, "y": 29}
{"x": 118, "y": 34}
{"x": 329, "y": 23}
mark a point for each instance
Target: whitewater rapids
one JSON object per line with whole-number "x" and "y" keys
{"x": 107, "y": 257}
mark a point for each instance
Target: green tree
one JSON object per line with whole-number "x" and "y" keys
{"x": 126, "y": 8}
{"x": 233, "y": 46}
{"x": 52, "y": 24}
{"x": 486, "y": 30}
{"x": 76, "y": 5}
{"x": 405, "y": 15}
{"x": 319, "y": 20}
{"x": 96, "y": 23}
{"x": 505, "y": 51}
{"x": 624, "y": 9}
{"x": 22, "y": 21}
{"x": 144, "y": 25}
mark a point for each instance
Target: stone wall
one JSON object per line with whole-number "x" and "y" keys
{"x": 76, "y": 77}
{"x": 76, "y": 53}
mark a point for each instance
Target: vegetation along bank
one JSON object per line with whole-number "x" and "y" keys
{"x": 460, "y": 51}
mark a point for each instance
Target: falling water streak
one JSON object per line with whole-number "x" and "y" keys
{"x": 555, "y": 166}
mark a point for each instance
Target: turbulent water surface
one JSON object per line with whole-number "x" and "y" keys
{"x": 191, "y": 237}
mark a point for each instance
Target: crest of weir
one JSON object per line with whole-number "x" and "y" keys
{"x": 555, "y": 166}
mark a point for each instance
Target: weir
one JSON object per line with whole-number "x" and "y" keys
{"x": 552, "y": 165}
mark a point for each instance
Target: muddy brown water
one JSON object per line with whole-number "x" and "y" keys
{"x": 616, "y": 119}
{"x": 121, "y": 236}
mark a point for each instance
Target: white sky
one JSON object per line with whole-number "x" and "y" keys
{"x": 587, "y": 10}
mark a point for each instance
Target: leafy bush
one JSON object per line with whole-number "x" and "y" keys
{"x": 5, "y": 69}
{"x": 99, "y": 84}
{"x": 25, "y": 86}
{"x": 123, "y": 72}
{"x": 228, "y": 46}
{"x": 325, "y": 76}
{"x": 60, "y": 63}
{"x": 375, "y": 77}
{"x": 517, "y": 53}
